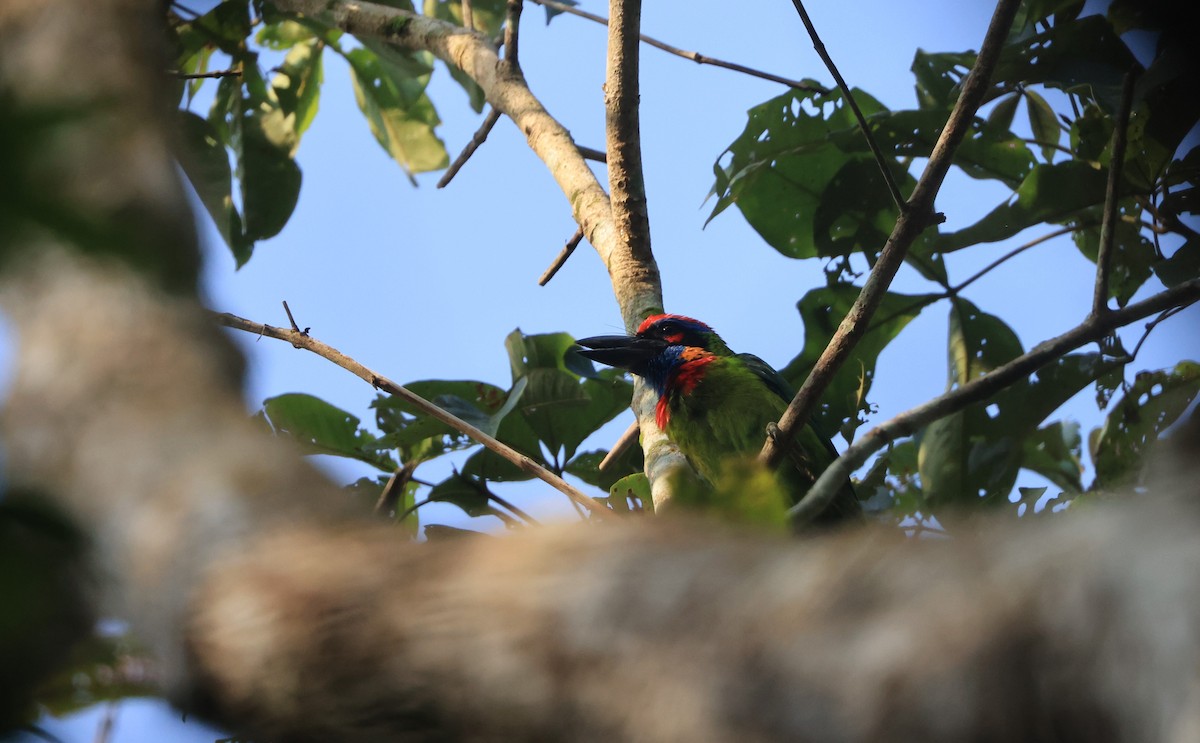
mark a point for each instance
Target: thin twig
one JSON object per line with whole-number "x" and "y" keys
{"x": 696, "y": 57}
{"x": 1092, "y": 329}
{"x": 105, "y": 728}
{"x": 620, "y": 446}
{"x": 468, "y": 15}
{"x": 911, "y": 223}
{"x": 203, "y": 75}
{"x": 592, "y": 154}
{"x": 482, "y": 488}
{"x": 1013, "y": 254}
{"x": 562, "y": 257}
{"x": 1112, "y": 194}
{"x": 862, "y": 121}
{"x": 480, "y": 136}
{"x": 512, "y": 31}
{"x": 389, "y": 495}
{"x": 1150, "y": 326}
{"x": 302, "y": 340}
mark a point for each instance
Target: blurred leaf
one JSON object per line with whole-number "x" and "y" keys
{"x": 205, "y": 162}
{"x": 1133, "y": 255}
{"x": 1054, "y": 452}
{"x": 1044, "y": 124}
{"x": 1003, "y": 113}
{"x": 1183, "y": 265}
{"x": 957, "y": 460}
{"x": 551, "y": 12}
{"x": 585, "y": 466}
{"x": 844, "y": 404}
{"x": 488, "y": 15}
{"x": 1082, "y": 56}
{"x": 324, "y": 429}
{"x": 442, "y": 533}
{"x": 101, "y": 669}
{"x": 400, "y": 114}
{"x": 939, "y": 77}
{"x": 631, "y": 487}
{"x": 464, "y": 492}
{"x": 420, "y": 437}
{"x": 1154, "y": 401}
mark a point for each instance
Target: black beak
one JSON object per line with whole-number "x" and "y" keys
{"x": 622, "y": 351}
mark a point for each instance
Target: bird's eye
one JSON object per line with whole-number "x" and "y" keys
{"x": 666, "y": 329}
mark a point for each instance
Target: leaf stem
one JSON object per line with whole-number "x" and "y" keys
{"x": 1112, "y": 194}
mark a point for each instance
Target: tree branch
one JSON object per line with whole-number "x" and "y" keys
{"x": 561, "y": 258}
{"x": 525, "y": 464}
{"x": 913, "y": 220}
{"x": 696, "y": 57}
{"x": 1112, "y": 194}
{"x": 893, "y": 189}
{"x": 1094, "y": 328}
{"x": 480, "y": 136}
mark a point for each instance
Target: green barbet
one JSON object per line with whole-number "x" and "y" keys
{"x": 714, "y": 404}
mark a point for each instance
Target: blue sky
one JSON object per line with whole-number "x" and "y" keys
{"x": 425, "y": 283}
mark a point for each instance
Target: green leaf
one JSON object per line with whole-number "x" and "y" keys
{"x": 1183, "y": 265}
{"x": 958, "y": 461}
{"x": 1044, "y": 124}
{"x": 784, "y": 156}
{"x": 420, "y": 437}
{"x": 1054, "y": 452}
{"x": 1002, "y": 114}
{"x": 324, "y": 429}
{"x": 205, "y": 162}
{"x": 487, "y": 15}
{"x": 939, "y": 77}
{"x": 634, "y": 487}
{"x": 284, "y": 35}
{"x": 585, "y": 466}
{"x": 1133, "y": 255}
{"x": 464, "y": 492}
{"x": 1082, "y": 56}
{"x": 487, "y": 465}
{"x": 1154, "y": 401}
{"x": 1050, "y": 193}
{"x": 400, "y": 114}
{"x": 561, "y": 406}
{"x": 297, "y": 87}
{"x": 845, "y": 403}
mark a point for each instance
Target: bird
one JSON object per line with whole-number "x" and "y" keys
{"x": 715, "y": 404}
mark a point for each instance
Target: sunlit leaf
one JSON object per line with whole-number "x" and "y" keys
{"x": 324, "y": 429}
{"x": 400, "y": 114}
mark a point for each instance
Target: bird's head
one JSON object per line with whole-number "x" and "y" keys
{"x": 662, "y": 344}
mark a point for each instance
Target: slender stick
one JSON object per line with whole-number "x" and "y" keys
{"x": 301, "y": 340}
{"x": 1094, "y": 328}
{"x": 1112, "y": 194}
{"x": 562, "y": 257}
{"x": 204, "y": 75}
{"x": 468, "y": 15}
{"x": 696, "y": 57}
{"x": 590, "y": 153}
{"x": 512, "y": 32}
{"x": 628, "y": 439}
{"x": 862, "y": 121}
{"x": 480, "y": 136}
{"x": 913, "y": 220}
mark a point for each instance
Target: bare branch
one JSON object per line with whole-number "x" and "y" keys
{"x": 480, "y": 136}
{"x": 1112, "y": 194}
{"x": 468, "y": 15}
{"x": 512, "y": 33}
{"x": 862, "y": 122}
{"x": 561, "y": 258}
{"x": 913, "y": 220}
{"x": 593, "y": 154}
{"x": 1094, "y": 328}
{"x": 696, "y": 57}
{"x": 308, "y": 343}
{"x": 627, "y": 439}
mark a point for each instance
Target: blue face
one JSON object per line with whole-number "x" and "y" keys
{"x": 657, "y": 371}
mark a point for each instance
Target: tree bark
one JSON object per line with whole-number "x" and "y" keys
{"x": 285, "y": 615}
